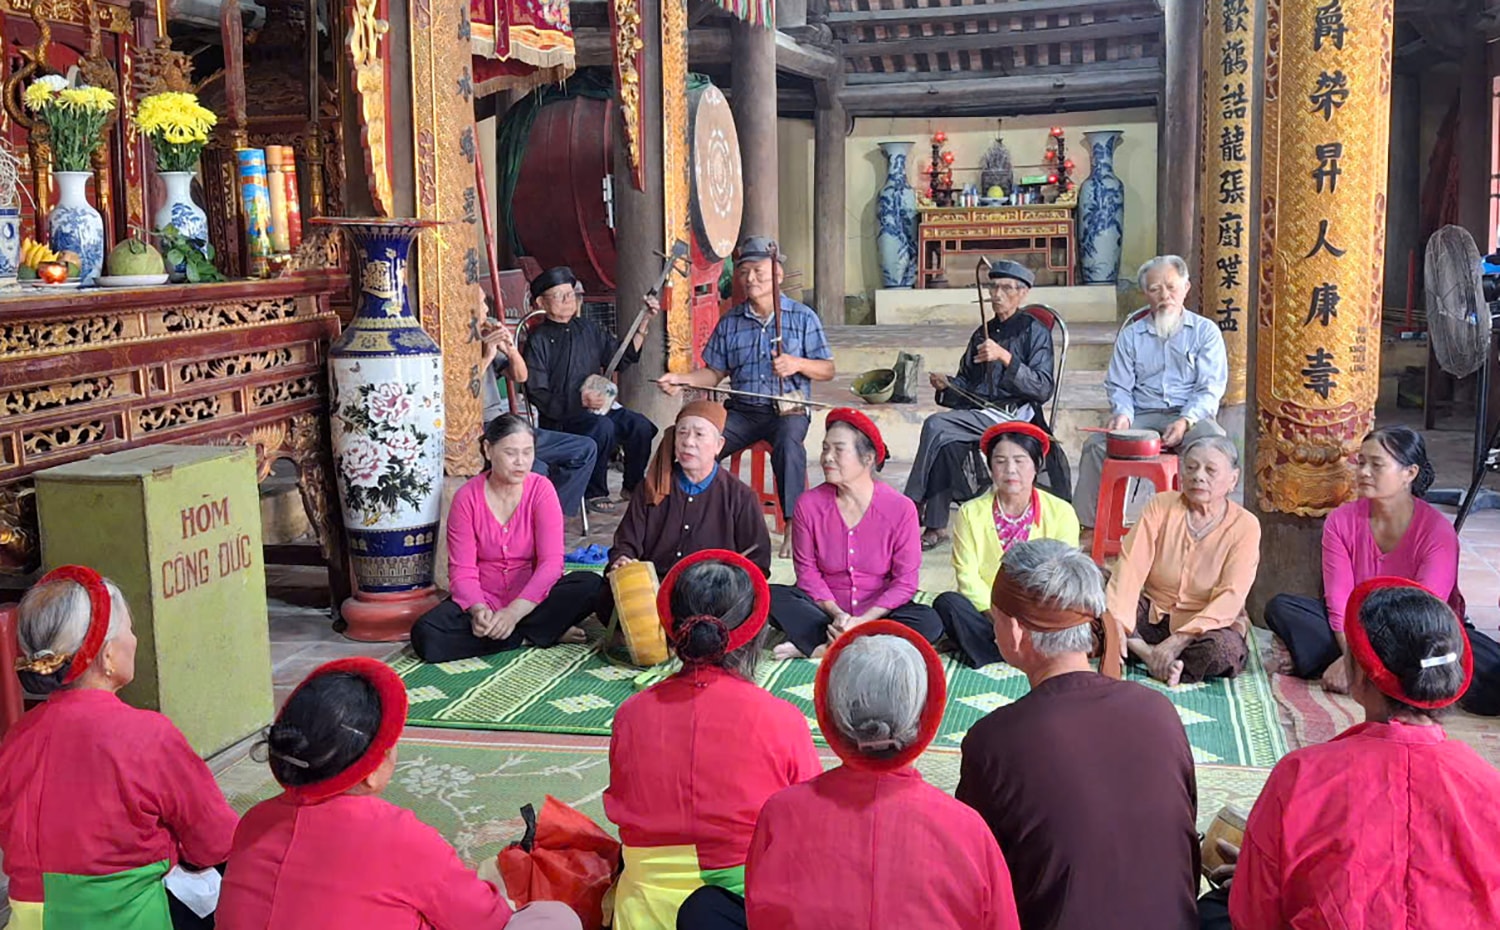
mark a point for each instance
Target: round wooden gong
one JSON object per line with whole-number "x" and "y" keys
{"x": 718, "y": 201}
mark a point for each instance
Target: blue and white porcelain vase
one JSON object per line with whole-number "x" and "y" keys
{"x": 387, "y": 412}
{"x": 74, "y": 225}
{"x": 896, "y": 211}
{"x": 10, "y": 243}
{"x": 178, "y": 209}
{"x": 1101, "y": 210}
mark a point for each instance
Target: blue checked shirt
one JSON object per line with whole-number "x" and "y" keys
{"x": 1188, "y": 371}
{"x": 741, "y": 345}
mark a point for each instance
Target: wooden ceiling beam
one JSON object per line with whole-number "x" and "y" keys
{"x": 979, "y": 41}
{"x": 946, "y": 14}
{"x": 711, "y": 46}
{"x": 1154, "y": 65}
{"x": 792, "y": 57}
{"x": 1001, "y": 94}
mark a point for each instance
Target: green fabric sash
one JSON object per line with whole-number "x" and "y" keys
{"x": 131, "y": 900}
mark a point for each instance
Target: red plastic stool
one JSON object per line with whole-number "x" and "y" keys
{"x": 1114, "y": 483}
{"x": 762, "y": 480}
{"x": 11, "y": 701}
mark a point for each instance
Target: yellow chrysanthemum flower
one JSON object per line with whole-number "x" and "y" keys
{"x": 37, "y": 95}
{"x": 177, "y": 117}
{"x": 90, "y": 99}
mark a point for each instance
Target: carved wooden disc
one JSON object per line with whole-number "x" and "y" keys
{"x": 718, "y": 185}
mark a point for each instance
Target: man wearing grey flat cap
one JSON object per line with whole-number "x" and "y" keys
{"x": 1007, "y": 365}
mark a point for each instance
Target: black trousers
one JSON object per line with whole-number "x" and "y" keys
{"x": 969, "y": 629}
{"x": 1483, "y": 696}
{"x": 806, "y": 625}
{"x": 1213, "y": 910}
{"x": 1302, "y": 624}
{"x": 748, "y": 425}
{"x": 445, "y": 634}
{"x": 712, "y": 908}
{"x": 620, "y": 428}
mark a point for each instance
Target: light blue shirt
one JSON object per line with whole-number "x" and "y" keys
{"x": 1188, "y": 371}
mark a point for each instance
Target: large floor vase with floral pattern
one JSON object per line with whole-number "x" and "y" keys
{"x": 896, "y": 215}
{"x": 387, "y": 429}
{"x": 1101, "y": 210}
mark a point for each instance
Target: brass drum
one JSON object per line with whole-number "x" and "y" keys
{"x": 718, "y": 201}
{"x": 634, "y": 586}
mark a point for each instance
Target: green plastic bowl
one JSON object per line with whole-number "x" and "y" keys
{"x": 875, "y": 386}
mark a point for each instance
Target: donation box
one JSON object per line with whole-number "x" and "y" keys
{"x": 178, "y": 529}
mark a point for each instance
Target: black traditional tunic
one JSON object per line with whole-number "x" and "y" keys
{"x": 1088, "y": 785}
{"x": 559, "y": 357}
{"x": 727, "y": 515}
{"x": 1028, "y": 379}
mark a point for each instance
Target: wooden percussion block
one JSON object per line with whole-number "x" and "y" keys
{"x": 178, "y": 529}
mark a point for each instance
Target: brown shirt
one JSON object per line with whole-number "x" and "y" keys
{"x": 727, "y": 515}
{"x": 1199, "y": 584}
{"x": 1088, "y": 785}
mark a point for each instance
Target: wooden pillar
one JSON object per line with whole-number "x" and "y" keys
{"x": 1404, "y": 197}
{"x": 754, "y": 104}
{"x": 1474, "y": 142}
{"x": 640, "y": 224}
{"x": 830, "y": 215}
{"x": 1177, "y": 131}
{"x": 1324, "y": 144}
{"x": 1228, "y": 93}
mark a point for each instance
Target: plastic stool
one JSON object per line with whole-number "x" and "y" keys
{"x": 1114, "y": 482}
{"x": 11, "y": 702}
{"x": 762, "y": 480}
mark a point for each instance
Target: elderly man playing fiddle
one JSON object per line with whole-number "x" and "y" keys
{"x": 744, "y": 348}
{"x": 1008, "y": 365}
{"x": 1168, "y": 373}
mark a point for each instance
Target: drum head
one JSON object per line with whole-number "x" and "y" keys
{"x": 718, "y": 201}
{"x": 1134, "y": 435}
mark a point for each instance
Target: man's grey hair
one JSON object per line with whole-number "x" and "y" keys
{"x": 1059, "y": 576}
{"x": 1222, "y": 444}
{"x": 1174, "y": 262}
{"x": 877, "y": 689}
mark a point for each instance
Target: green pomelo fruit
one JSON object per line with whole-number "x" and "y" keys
{"x": 134, "y": 257}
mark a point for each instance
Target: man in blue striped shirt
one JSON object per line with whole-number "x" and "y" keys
{"x": 743, "y": 348}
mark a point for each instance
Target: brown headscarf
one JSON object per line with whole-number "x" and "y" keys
{"x": 659, "y": 474}
{"x": 1039, "y": 616}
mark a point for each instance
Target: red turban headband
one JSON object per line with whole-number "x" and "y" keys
{"x": 392, "y": 694}
{"x": 863, "y": 424}
{"x": 93, "y": 639}
{"x": 999, "y": 430}
{"x": 932, "y": 711}
{"x": 1363, "y": 652}
{"x": 740, "y": 635}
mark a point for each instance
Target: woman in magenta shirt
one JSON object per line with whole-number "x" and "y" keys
{"x": 1388, "y": 530}
{"x": 856, "y": 545}
{"x": 505, "y": 560}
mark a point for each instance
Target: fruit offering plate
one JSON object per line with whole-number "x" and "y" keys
{"x": 131, "y": 280}
{"x": 71, "y": 283}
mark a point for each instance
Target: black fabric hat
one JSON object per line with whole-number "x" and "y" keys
{"x": 551, "y": 278}
{"x": 1009, "y": 269}
{"x": 757, "y": 249}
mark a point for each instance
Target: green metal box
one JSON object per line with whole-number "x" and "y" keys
{"x": 178, "y": 529}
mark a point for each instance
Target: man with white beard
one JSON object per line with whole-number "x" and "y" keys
{"x": 1168, "y": 373}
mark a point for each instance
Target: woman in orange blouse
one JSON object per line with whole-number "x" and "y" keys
{"x": 1185, "y": 569}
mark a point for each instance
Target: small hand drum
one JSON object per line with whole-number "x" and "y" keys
{"x": 600, "y": 385}
{"x": 1228, "y": 825}
{"x": 1133, "y": 444}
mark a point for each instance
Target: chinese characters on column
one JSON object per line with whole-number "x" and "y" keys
{"x": 1323, "y": 137}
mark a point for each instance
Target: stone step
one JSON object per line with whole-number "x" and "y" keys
{"x": 941, "y": 345}
{"x": 1093, "y": 303}
{"x": 1082, "y": 403}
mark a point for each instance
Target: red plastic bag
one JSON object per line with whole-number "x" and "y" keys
{"x": 565, "y": 857}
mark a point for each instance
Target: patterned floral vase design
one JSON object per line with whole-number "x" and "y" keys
{"x": 387, "y": 428}
{"x": 74, "y": 225}
{"x": 896, "y": 212}
{"x": 1101, "y": 210}
{"x": 178, "y": 209}
{"x": 10, "y": 242}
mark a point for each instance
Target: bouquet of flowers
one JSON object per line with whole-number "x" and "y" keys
{"x": 75, "y": 118}
{"x": 177, "y": 125}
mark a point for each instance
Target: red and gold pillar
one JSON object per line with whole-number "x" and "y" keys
{"x": 1323, "y": 143}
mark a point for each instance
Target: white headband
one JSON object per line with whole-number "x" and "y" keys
{"x": 1434, "y": 661}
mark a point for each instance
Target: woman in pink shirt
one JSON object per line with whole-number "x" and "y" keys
{"x": 856, "y": 545}
{"x": 505, "y": 560}
{"x": 1391, "y": 825}
{"x": 1387, "y": 530}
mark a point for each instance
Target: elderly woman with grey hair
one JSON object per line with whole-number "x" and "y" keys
{"x": 839, "y": 851}
{"x": 99, "y": 802}
{"x": 1185, "y": 570}
{"x": 1086, "y": 781}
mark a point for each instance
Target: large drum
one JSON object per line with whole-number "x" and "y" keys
{"x": 558, "y": 208}
{"x": 718, "y": 200}
{"x": 634, "y": 586}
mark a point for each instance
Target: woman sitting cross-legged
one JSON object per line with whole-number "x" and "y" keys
{"x": 1391, "y": 825}
{"x": 1014, "y": 511}
{"x": 856, "y": 545}
{"x": 505, "y": 560}
{"x": 1386, "y": 530}
{"x": 869, "y": 843}
{"x": 692, "y": 759}
{"x": 327, "y": 852}
{"x": 99, "y": 801}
